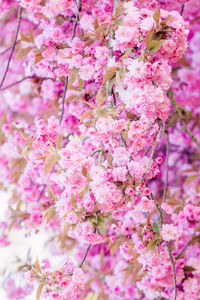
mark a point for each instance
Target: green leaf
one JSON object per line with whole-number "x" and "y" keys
{"x": 156, "y": 227}
{"x": 152, "y": 243}
{"x": 155, "y": 45}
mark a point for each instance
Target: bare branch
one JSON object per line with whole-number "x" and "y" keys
{"x": 111, "y": 37}
{"x": 85, "y": 256}
{"x": 19, "y": 14}
{"x": 17, "y": 42}
{"x": 79, "y": 6}
{"x": 63, "y": 99}
{"x": 41, "y": 192}
{"x": 173, "y": 269}
{"x": 70, "y": 20}
{"x": 6, "y": 50}
{"x": 182, "y": 9}
{"x": 23, "y": 79}
{"x": 178, "y": 111}
{"x": 184, "y": 248}
{"x": 167, "y": 165}
{"x": 15, "y": 83}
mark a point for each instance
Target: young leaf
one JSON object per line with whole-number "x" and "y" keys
{"x": 156, "y": 17}
{"x": 126, "y": 54}
{"x": 37, "y": 266}
{"x": 154, "y": 45}
{"x": 73, "y": 202}
{"x": 59, "y": 142}
{"x": 165, "y": 21}
{"x": 84, "y": 171}
{"x": 71, "y": 98}
{"x": 110, "y": 159}
{"x": 155, "y": 226}
{"x": 149, "y": 37}
{"x": 49, "y": 163}
{"x": 39, "y": 291}
{"x": 99, "y": 98}
{"x": 110, "y": 74}
{"x": 24, "y": 38}
{"x": 72, "y": 76}
{"x": 50, "y": 214}
{"x": 23, "y": 52}
{"x": 38, "y": 58}
{"x": 96, "y": 24}
{"x": 86, "y": 114}
{"x": 152, "y": 243}
{"x": 92, "y": 296}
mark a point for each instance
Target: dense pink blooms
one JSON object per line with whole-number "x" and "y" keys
{"x": 97, "y": 151}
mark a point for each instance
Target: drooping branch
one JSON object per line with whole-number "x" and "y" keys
{"x": 23, "y": 79}
{"x": 9, "y": 48}
{"x": 16, "y": 82}
{"x": 186, "y": 245}
{"x": 79, "y": 6}
{"x": 19, "y": 14}
{"x": 178, "y": 111}
{"x": 85, "y": 256}
{"x": 167, "y": 165}
{"x": 182, "y": 9}
{"x": 17, "y": 42}
{"x": 111, "y": 37}
{"x": 63, "y": 99}
{"x": 70, "y": 20}
{"x": 173, "y": 268}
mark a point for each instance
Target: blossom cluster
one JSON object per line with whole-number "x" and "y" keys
{"x": 99, "y": 145}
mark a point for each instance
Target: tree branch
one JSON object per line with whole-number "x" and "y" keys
{"x": 19, "y": 14}
{"x": 23, "y": 79}
{"x": 111, "y": 37}
{"x": 17, "y": 42}
{"x": 79, "y": 5}
{"x": 6, "y": 50}
{"x": 167, "y": 165}
{"x": 178, "y": 111}
{"x": 15, "y": 83}
{"x": 182, "y": 9}
{"x": 67, "y": 26}
{"x": 173, "y": 269}
{"x": 63, "y": 99}
{"x": 184, "y": 248}
{"x": 85, "y": 256}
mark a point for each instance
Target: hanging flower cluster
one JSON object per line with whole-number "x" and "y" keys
{"x": 99, "y": 144}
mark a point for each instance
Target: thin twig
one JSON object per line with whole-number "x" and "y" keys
{"x": 17, "y": 42}
{"x": 167, "y": 166}
{"x": 184, "y": 248}
{"x": 7, "y": 49}
{"x": 178, "y": 111}
{"x": 182, "y": 9}
{"x": 63, "y": 99}
{"x": 153, "y": 149}
{"x": 77, "y": 18}
{"x": 41, "y": 192}
{"x": 100, "y": 156}
{"x": 15, "y": 83}
{"x": 173, "y": 269}
{"x": 85, "y": 256}
{"x": 95, "y": 151}
{"x": 111, "y": 37}
{"x": 23, "y": 79}
{"x": 19, "y": 14}
{"x": 67, "y": 26}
